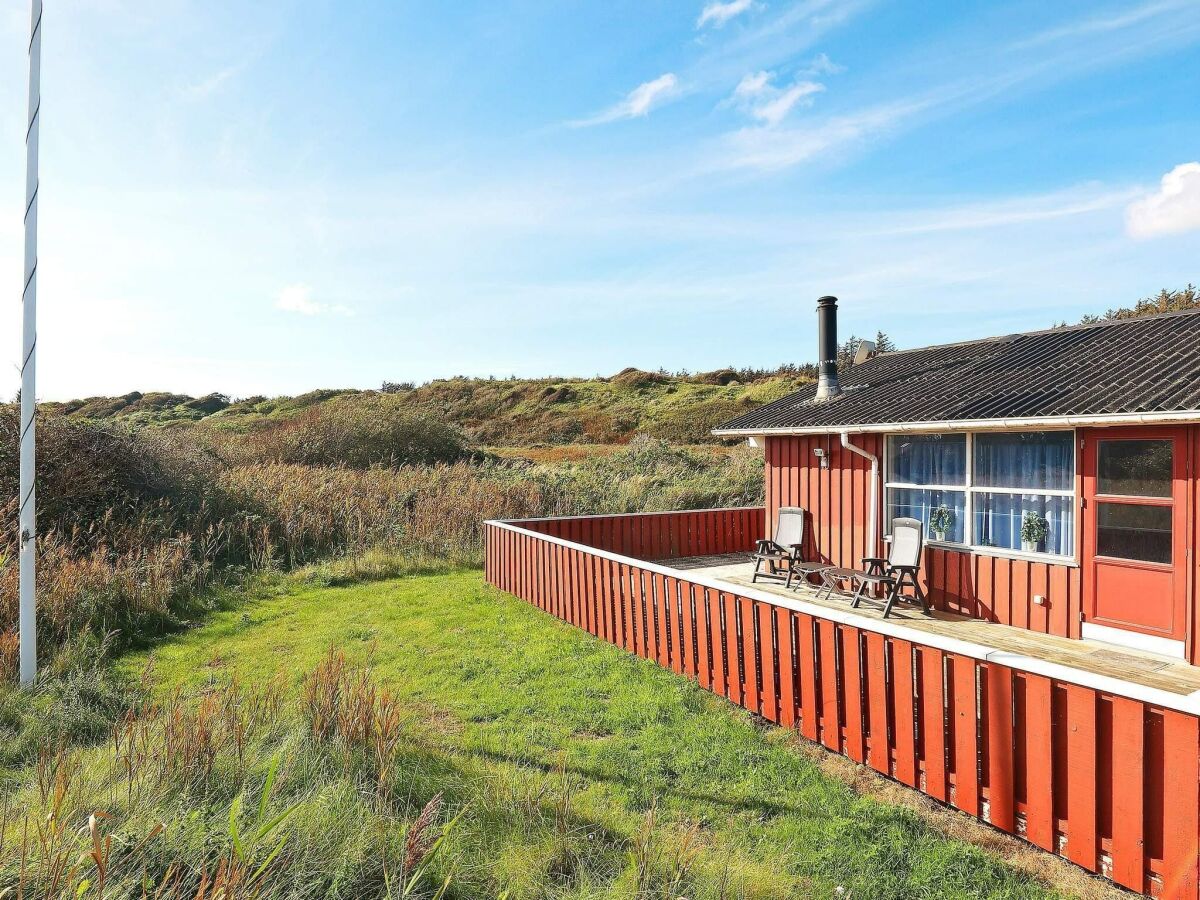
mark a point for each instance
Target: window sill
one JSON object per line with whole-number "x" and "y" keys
{"x": 1002, "y": 553}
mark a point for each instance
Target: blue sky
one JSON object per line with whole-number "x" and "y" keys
{"x": 274, "y": 196}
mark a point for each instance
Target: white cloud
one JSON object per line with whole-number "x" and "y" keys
{"x": 759, "y": 98}
{"x": 205, "y": 88}
{"x": 772, "y": 149}
{"x": 822, "y": 65}
{"x": 718, "y": 13}
{"x": 1105, "y": 23}
{"x": 297, "y": 298}
{"x": 639, "y": 102}
{"x": 1172, "y": 209}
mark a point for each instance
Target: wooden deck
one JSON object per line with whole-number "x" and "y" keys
{"x": 1147, "y": 669}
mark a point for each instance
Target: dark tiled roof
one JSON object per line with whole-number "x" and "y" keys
{"x": 1128, "y": 366}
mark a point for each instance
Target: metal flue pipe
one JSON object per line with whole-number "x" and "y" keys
{"x": 28, "y": 495}
{"x": 827, "y": 349}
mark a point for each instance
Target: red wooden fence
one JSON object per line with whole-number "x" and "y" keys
{"x": 1108, "y": 781}
{"x": 662, "y": 535}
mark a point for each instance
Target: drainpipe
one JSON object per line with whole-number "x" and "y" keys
{"x": 873, "y": 512}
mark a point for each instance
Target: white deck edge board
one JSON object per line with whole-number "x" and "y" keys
{"x": 1186, "y": 703}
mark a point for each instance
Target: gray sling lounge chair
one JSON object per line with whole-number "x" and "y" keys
{"x": 894, "y": 573}
{"x": 784, "y": 553}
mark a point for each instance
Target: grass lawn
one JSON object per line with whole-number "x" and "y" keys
{"x": 585, "y": 772}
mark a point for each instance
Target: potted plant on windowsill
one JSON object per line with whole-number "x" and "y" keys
{"x": 1034, "y": 531}
{"x": 941, "y": 523}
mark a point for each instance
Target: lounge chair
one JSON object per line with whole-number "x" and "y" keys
{"x": 898, "y": 570}
{"x": 784, "y": 553}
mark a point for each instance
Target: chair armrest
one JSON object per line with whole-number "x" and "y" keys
{"x": 874, "y": 561}
{"x": 765, "y": 545}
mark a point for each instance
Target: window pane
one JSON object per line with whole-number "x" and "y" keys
{"x": 922, "y": 504}
{"x": 1000, "y": 521}
{"x": 1135, "y": 468}
{"x": 1034, "y": 460}
{"x": 1125, "y": 531}
{"x": 928, "y": 458}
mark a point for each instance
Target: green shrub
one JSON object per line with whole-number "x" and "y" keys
{"x": 370, "y": 431}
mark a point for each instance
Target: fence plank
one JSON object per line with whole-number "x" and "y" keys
{"x": 852, "y": 692}
{"x": 998, "y": 723}
{"x": 703, "y": 639}
{"x": 767, "y": 664}
{"x": 787, "y": 667}
{"x": 878, "y": 753}
{"x": 904, "y": 714}
{"x": 1128, "y": 857}
{"x": 716, "y": 616}
{"x": 1181, "y": 810}
{"x": 932, "y": 720}
{"x": 1039, "y": 762}
{"x": 662, "y": 613}
{"x": 1081, "y": 777}
{"x": 831, "y": 729}
{"x": 733, "y": 668}
{"x": 750, "y": 686}
{"x": 687, "y": 631}
{"x": 808, "y": 677}
{"x": 965, "y": 723}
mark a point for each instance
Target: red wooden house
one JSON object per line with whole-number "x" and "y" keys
{"x": 1054, "y": 690}
{"x": 1083, "y": 438}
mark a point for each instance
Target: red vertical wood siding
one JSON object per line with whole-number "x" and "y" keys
{"x": 837, "y": 500}
{"x": 1110, "y": 782}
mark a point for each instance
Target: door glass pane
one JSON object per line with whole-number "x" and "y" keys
{"x": 1033, "y": 460}
{"x": 928, "y": 458}
{"x": 942, "y": 510}
{"x": 1125, "y": 531}
{"x": 1135, "y": 468}
{"x": 1034, "y": 523}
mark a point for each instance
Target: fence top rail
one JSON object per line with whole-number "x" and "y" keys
{"x": 626, "y": 515}
{"x": 1185, "y": 703}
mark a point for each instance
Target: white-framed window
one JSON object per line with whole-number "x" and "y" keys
{"x": 1004, "y": 491}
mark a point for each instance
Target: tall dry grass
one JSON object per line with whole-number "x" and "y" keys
{"x": 136, "y": 526}
{"x": 233, "y": 795}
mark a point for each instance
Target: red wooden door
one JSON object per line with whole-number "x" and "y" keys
{"x": 1134, "y": 534}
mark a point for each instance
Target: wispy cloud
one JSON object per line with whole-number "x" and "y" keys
{"x": 1104, "y": 23}
{"x": 717, "y": 13}
{"x": 821, "y": 64}
{"x": 298, "y": 298}
{"x": 1172, "y": 209}
{"x": 206, "y": 87}
{"x": 638, "y": 103}
{"x": 771, "y": 149}
{"x": 759, "y": 98}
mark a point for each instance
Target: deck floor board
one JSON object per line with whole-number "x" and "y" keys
{"x": 1150, "y": 670}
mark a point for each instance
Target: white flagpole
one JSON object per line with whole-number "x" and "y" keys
{"x": 28, "y": 522}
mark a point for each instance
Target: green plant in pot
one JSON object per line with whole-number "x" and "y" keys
{"x": 941, "y": 522}
{"x": 1034, "y": 531}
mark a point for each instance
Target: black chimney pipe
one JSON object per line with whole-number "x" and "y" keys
{"x": 827, "y": 379}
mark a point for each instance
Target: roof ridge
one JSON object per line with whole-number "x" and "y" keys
{"x": 1059, "y": 329}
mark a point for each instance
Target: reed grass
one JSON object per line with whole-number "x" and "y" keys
{"x": 139, "y": 527}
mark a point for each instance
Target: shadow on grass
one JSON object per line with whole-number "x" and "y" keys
{"x": 763, "y": 807}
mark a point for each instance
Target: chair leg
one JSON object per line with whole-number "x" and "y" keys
{"x": 892, "y": 595}
{"x": 859, "y": 589}
{"x": 757, "y": 565}
{"x": 921, "y": 595}
{"x": 791, "y": 575}
{"x": 827, "y": 586}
